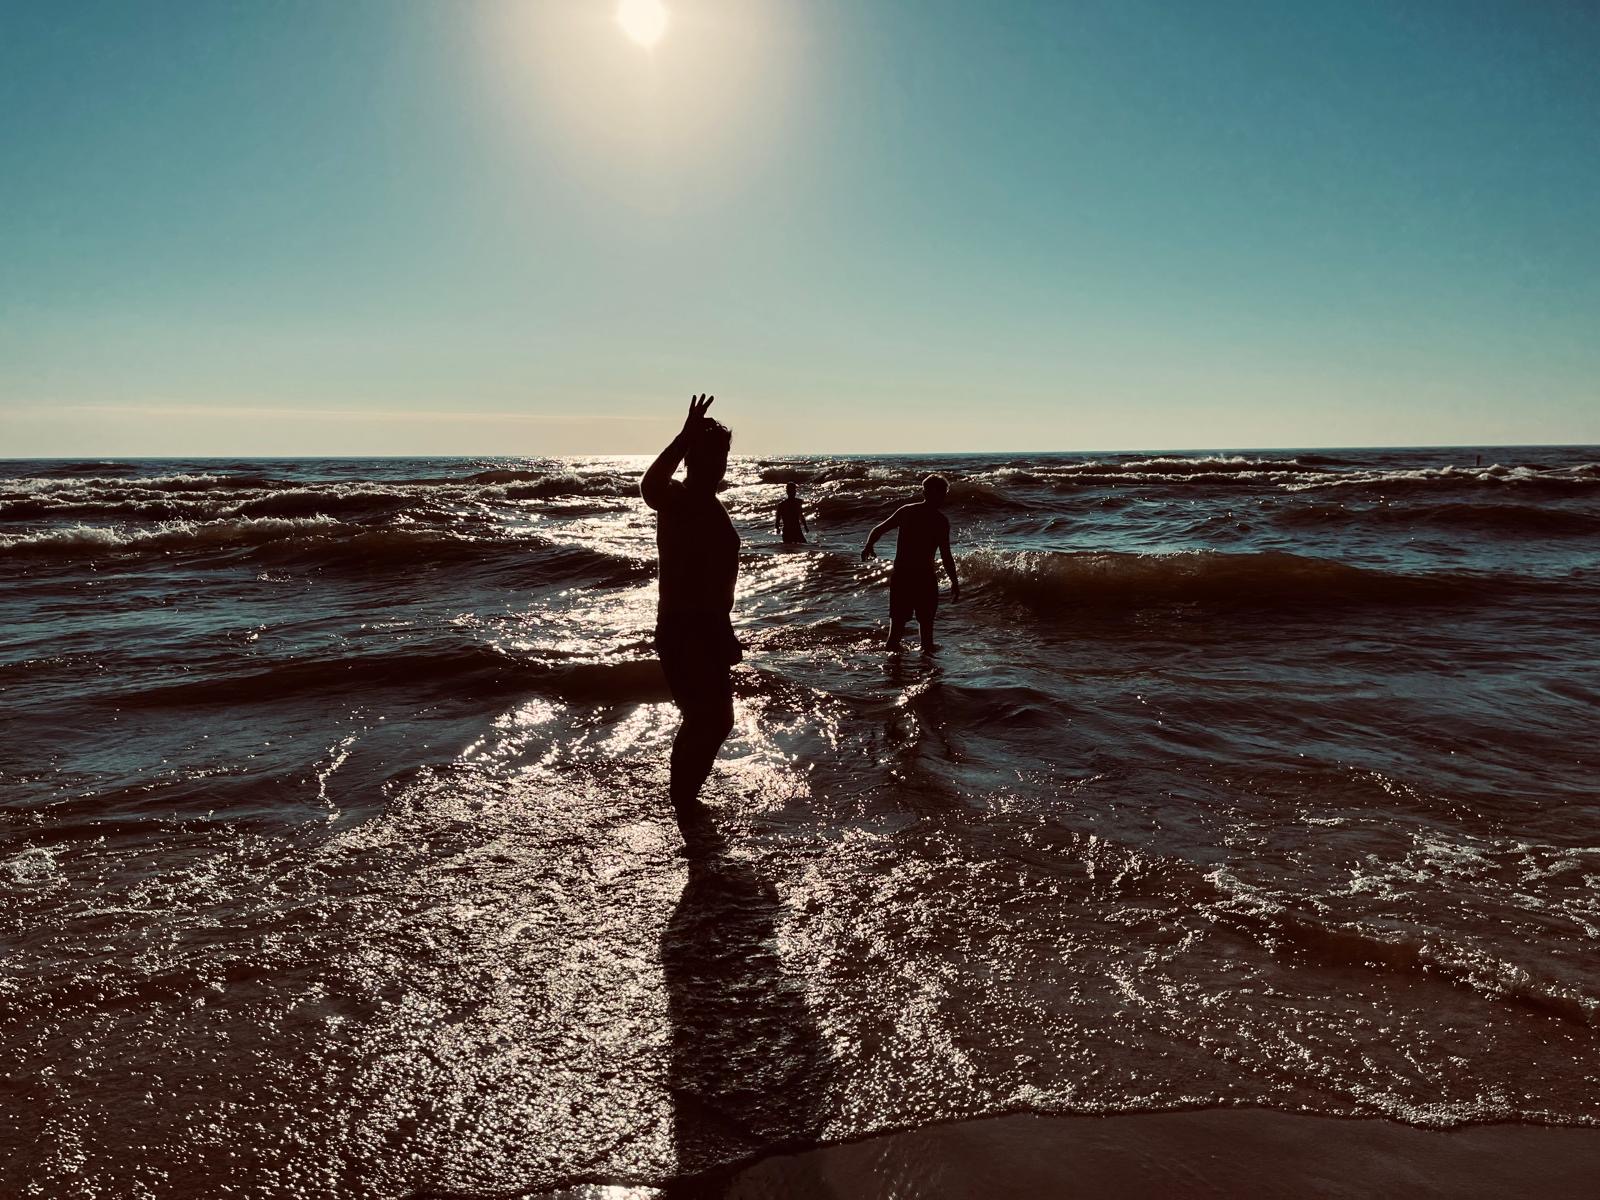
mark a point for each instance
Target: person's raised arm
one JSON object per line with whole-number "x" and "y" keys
{"x": 949, "y": 563}
{"x": 893, "y": 522}
{"x": 657, "y": 480}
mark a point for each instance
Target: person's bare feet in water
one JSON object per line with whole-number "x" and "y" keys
{"x": 930, "y": 647}
{"x": 709, "y": 845}
{"x": 701, "y": 837}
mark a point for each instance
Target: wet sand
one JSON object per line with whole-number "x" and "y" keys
{"x": 1210, "y": 1153}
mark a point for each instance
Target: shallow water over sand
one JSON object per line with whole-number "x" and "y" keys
{"x": 335, "y": 857}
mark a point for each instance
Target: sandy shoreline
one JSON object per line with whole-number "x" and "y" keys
{"x": 1208, "y": 1153}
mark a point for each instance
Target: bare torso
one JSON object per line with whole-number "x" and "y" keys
{"x": 699, "y": 550}
{"x": 922, "y": 530}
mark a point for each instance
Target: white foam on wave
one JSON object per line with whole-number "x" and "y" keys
{"x": 1449, "y": 904}
{"x": 1174, "y": 466}
{"x": 201, "y": 482}
{"x": 1495, "y": 474}
{"x": 33, "y": 867}
{"x": 167, "y": 535}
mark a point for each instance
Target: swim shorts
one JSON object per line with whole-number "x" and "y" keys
{"x": 913, "y": 595}
{"x": 696, "y": 651}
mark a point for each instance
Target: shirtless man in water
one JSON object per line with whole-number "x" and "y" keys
{"x": 699, "y": 550}
{"x": 913, "y": 586}
{"x": 791, "y": 517}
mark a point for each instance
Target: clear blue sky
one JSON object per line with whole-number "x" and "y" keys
{"x": 380, "y": 226}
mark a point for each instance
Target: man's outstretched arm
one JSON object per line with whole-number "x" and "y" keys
{"x": 893, "y": 522}
{"x": 657, "y": 481}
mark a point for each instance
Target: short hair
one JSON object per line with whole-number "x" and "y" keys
{"x": 709, "y": 444}
{"x": 716, "y": 435}
{"x": 936, "y": 486}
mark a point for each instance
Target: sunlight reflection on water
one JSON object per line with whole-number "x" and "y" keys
{"x": 1301, "y": 819}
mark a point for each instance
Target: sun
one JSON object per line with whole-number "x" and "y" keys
{"x": 645, "y": 21}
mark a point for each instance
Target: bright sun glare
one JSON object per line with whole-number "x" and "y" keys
{"x": 645, "y": 21}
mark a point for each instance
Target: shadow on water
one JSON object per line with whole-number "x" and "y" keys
{"x": 750, "y": 1071}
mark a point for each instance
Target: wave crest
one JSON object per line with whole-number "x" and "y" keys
{"x": 1177, "y": 466}
{"x": 323, "y": 541}
{"x": 1509, "y": 519}
{"x": 1053, "y": 580}
{"x": 92, "y": 541}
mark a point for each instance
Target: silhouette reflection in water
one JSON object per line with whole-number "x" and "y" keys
{"x": 750, "y": 1071}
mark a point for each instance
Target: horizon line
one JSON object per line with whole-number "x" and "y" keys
{"x": 817, "y": 453}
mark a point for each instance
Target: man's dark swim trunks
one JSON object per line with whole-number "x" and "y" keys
{"x": 696, "y": 650}
{"x": 913, "y": 593}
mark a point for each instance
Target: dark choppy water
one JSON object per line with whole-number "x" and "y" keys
{"x": 335, "y": 858}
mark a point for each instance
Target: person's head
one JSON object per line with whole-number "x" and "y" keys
{"x": 934, "y": 489}
{"x": 794, "y": 489}
{"x": 706, "y": 459}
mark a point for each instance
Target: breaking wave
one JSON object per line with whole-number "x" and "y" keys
{"x": 1286, "y": 928}
{"x": 96, "y": 541}
{"x": 1176, "y": 466}
{"x": 472, "y": 669}
{"x": 1530, "y": 479}
{"x": 1509, "y": 519}
{"x": 201, "y": 482}
{"x": 1053, "y": 579}
{"x": 322, "y": 541}
{"x": 966, "y": 496}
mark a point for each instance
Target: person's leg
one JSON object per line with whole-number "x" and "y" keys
{"x": 899, "y": 611}
{"x": 707, "y": 721}
{"x": 927, "y": 608}
{"x": 702, "y": 688}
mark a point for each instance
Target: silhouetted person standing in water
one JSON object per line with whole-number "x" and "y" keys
{"x": 791, "y": 520}
{"x": 699, "y": 550}
{"x": 913, "y": 586}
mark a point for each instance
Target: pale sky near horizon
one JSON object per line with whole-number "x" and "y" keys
{"x": 503, "y": 226}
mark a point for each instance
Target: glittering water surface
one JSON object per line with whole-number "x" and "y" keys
{"x": 336, "y": 859}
